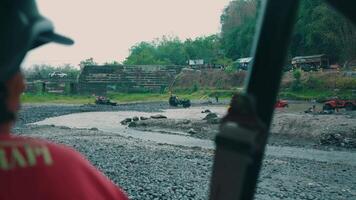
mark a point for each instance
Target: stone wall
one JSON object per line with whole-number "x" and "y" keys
{"x": 51, "y": 86}
{"x": 99, "y": 79}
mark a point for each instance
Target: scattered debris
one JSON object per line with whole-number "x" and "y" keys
{"x": 311, "y": 109}
{"x": 337, "y": 140}
{"x": 64, "y": 127}
{"x": 208, "y": 102}
{"x": 186, "y": 121}
{"x": 326, "y": 112}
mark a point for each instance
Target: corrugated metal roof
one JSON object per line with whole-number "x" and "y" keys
{"x": 244, "y": 60}
{"x": 308, "y": 57}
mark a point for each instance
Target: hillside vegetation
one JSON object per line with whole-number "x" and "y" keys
{"x": 318, "y": 30}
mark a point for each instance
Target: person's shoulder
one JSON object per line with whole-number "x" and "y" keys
{"x": 58, "y": 151}
{"x": 69, "y": 161}
{"x": 65, "y": 153}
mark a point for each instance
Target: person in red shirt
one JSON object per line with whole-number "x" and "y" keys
{"x": 33, "y": 168}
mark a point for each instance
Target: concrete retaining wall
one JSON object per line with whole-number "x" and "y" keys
{"x": 99, "y": 79}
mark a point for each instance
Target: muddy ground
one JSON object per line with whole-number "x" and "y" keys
{"x": 149, "y": 170}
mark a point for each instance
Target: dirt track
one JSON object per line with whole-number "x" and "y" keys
{"x": 148, "y": 170}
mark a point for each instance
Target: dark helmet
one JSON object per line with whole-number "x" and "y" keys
{"x": 22, "y": 29}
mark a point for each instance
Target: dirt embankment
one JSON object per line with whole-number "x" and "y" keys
{"x": 216, "y": 78}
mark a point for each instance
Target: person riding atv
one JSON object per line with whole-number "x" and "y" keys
{"x": 175, "y": 101}
{"x": 101, "y": 100}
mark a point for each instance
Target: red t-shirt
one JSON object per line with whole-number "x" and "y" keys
{"x": 38, "y": 169}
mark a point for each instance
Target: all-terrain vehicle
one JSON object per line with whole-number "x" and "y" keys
{"x": 281, "y": 104}
{"x": 339, "y": 103}
{"x": 175, "y": 101}
{"x": 101, "y": 100}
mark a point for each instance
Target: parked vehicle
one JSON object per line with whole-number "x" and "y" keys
{"x": 310, "y": 63}
{"x": 281, "y": 104}
{"x": 339, "y": 103}
{"x": 57, "y": 75}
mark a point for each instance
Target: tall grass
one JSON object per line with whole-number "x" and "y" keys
{"x": 318, "y": 95}
{"x": 56, "y": 98}
{"x": 126, "y": 97}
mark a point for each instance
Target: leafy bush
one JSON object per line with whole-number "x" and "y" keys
{"x": 297, "y": 84}
{"x": 345, "y": 83}
{"x": 313, "y": 83}
{"x": 195, "y": 87}
{"x": 230, "y": 69}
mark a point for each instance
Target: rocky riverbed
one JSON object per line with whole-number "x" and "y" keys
{"x": 289, "y": 127}
{"x": 151, "y": 170}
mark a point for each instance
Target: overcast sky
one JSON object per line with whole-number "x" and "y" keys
{"x": 106, "y": 29}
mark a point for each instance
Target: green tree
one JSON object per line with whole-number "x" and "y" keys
{"x": 171, "y": 50}
{"x": 207, "y": 48}
{"x": 114, "y": 62}
{"x": 88, "y": 61}
{"x": 297, "y": 83}
{"x": 143, "y": 53}
{"x": 238, "y": 22}
{"x": 321, "y": 30}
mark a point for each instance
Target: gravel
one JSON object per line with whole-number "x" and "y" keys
{"x": 36, "y": 112}
{"x": 147, "y": 170}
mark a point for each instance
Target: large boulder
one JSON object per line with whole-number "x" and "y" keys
{"x": 144, "y": 118}
{"x": 132, "y": 124}
{"x": 186, "y": 121}
{"x": 210, "y": 116}
{"x": 213, "y": 120}
{"x": 206, "y": 111}
{"x": 158, "y": 116}
{"x": 135, "y": 119}
{"x": 126, "y": 121}
{"x": 192, "y": 131}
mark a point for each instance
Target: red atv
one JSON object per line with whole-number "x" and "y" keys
{"x": 281, "y": 104}
{"x": 338, "y": 103}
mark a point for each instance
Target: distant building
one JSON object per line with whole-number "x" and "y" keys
{"x": 196, "y": 62}
{"x": 311, "y": 63}
{"x": 243, "y": 63}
